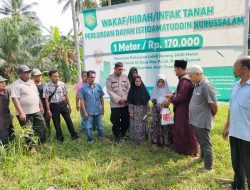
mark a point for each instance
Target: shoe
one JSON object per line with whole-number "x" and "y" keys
{"x": 90, "y": 142}
{"x": 60, "y": 141}
{"x": 198, "y": 159}
{"x": 33, "y": 151}
{"x": 105, "y": 139}
{"x": 75, "y": 137}
{"x": 165, "y": 147}
{"x": 77, "y": 140}
{"x": 43, "y": 145}
{"x": 204, "y": 170}
{"x": 234, "y": 187}
{"x": 126, "y": 137}
{"x": 117, "y": 140}
{"x": 154, "y": 147}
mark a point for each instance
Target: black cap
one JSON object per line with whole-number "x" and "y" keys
{"x": 180, "y": 63}
{"x": 23, "y": 68}
{"x": 36, "y": 72}
{"x": 118, "y": 64}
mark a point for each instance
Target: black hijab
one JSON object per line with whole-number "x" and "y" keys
{"x": 130, "y": 75}
{"x": 138, "y": 95}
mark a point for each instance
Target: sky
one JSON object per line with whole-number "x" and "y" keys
{"x": 50, "y": 14}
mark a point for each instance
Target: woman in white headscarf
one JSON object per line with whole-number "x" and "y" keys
{"x": 160, "y": 135}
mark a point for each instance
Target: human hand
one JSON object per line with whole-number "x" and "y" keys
{"x": 169, "y": 96}
{"x": 225, "y": 133}
{"x": 131, "y": 115}
{"x": 22, "y": 117}
{"x": 77, "y": 107}
{"x": 122, "y": 100}
{"x": 86, "y": 115}
{"x": 166, "y": 102}
{"x": 49, "y": 114}
{"x": 42, "y": 110}
{"x": 69, "y": 108}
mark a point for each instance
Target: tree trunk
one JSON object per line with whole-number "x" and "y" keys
{"x": 76, "y": 38}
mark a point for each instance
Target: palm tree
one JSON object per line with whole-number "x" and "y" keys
{"x": 20, "y": 43}
{"x": 76, "y": 7}
{"x": 17, "y": 8}
{"x": 79, "y": 6}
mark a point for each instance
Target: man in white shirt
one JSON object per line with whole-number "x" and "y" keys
{"x": 28, "y": 105}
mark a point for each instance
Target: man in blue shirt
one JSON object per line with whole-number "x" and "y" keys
{"x": 92, "y": 104}
{"x": 238, "y": 124}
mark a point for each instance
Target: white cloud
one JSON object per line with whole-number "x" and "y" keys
{"x": 50, "y": 14}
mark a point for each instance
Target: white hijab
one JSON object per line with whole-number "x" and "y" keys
{"x": 160, "y": 92}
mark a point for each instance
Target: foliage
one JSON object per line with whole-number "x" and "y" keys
{"x": 104, "y": 166}
{"x": 21, "y": 40}
{"x": 79, "y": 6}
{"x": 17, "y": 8}
{"x": 59, "y": 53}
{"x": 20, "y": 43}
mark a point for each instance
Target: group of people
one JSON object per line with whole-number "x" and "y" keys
{"x": 35, "y": 104}
{"x": 194, "y": 107}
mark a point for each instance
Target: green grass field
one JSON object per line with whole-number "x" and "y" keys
{"x": 103, "y": 166}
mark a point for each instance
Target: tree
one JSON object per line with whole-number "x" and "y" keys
{"x": 59, "y": 52}
{"x": 79, "y": 6}
{"x": 20, "y": 43}
{"x": 76, "y": 8}
{"x": 17, "y": 8}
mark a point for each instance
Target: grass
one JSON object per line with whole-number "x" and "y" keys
{"x": 103, "y": 166}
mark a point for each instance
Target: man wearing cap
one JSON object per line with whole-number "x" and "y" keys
{"x": 6, "y": 126}
{"x": 184, "y": 139}
{"x": 237, "y": 127}
{"x": 28, "y": 105}
{"x": 37, "y": 78}
{"x": 57, "y": 103}
{"x": 118, "y": 87}
{"x": 202, "y": 110}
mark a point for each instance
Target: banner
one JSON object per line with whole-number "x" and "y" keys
{"x": 150, "y": 35}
